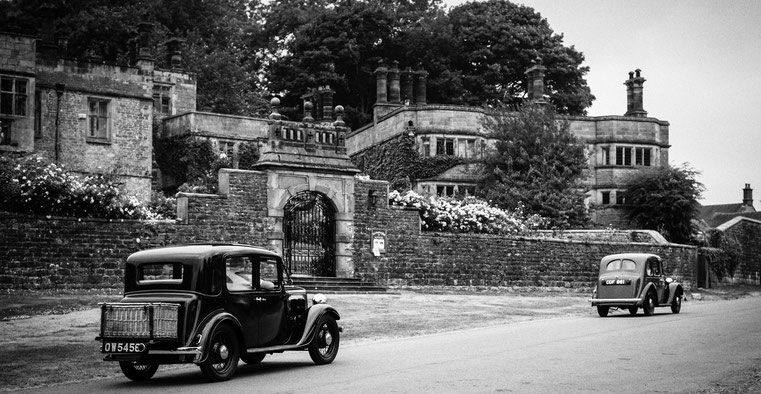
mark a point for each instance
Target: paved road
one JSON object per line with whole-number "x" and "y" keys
{"x": 662, "y": 353}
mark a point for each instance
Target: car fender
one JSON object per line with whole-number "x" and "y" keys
{"x": 644, "y": 292}
{"x": 675, "y": 290}
{"x": 205, "y": 329}
{"x": 314, "y": 314}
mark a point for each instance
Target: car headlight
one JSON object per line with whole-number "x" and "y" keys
{"x": 319, "y": 299}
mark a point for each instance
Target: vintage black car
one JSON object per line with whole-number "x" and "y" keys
{"x": 633, "y": 280}
{"x": 212, "y": 305}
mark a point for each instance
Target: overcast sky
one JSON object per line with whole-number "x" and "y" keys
{"x": 702, "y": 63}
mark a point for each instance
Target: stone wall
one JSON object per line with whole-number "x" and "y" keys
{"x": 52, "y": 252}
{"x": 748, "y": 233}
{"x": 415, "y": 258}
{"x": 386, "y": 246}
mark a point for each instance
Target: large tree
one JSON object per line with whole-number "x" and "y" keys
{"x": 497, "y": 41}
{"x": 664, "y": 199}
{"x": 475, "y": 54}
{"x": 536, "y": 163}
{"x": 244, "y": 50}
{"x": 337, "y": 43}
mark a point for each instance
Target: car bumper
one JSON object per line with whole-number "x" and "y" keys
{"x": 615, "y": 301}
{"x": 184, "y": 354}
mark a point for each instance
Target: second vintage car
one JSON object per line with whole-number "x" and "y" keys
{"x": 635, "y": 280}
{"x": 212, "y": 305}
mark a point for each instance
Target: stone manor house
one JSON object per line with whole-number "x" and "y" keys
{"x": 97, "y": 117}
{"x": 302, "y": 199}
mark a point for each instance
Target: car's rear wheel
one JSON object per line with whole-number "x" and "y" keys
{"x": 223, "y": 354}
{"x": 324, "y": 346}
{"x": 252, "y": 358}
{"x": 649, "y": 306}
{"x": 633, "y": 310}
{"x": 676, "y": 305}
{"x": 602, "y": 310}
{"x": 138, "y": 372}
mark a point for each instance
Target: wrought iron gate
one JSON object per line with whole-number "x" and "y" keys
{"x": 310, "y": 232}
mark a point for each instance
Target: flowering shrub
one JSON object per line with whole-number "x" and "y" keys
{"x": 470, "y": 215}
{"x": 32, "y": 185}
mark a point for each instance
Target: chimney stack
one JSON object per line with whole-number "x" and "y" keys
{"x": 536, "y": 81}
{"x": 748, "y": 196}
{"x": 634, "y": 95}
{"x": 145, "y": 60}
{"x": 174, "y": 53}
{"x": 394, "y": 88}
{"x": 420, "y": 88}
{"x": 381, "y": 78}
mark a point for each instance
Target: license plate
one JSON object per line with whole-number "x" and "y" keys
{"x": 617, "y": 281}
{"x": 122, "y": 347}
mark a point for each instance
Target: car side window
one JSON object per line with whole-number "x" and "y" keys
{"x": 268, "y": 277}
{"x": 239, "y": 270}
{"x": 653, "y": 268}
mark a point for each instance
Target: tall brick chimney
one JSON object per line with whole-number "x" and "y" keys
{"x": 634, "y": 94}
{"x": 748, "y": 196}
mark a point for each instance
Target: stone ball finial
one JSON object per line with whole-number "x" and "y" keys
{"x": 339, "y": 111}
{"x": 308, "y": 106}
{"x": 275, "y": 104}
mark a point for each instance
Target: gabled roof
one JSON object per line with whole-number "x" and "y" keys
{"x": 722, "y": 218}
{"x": 715, "y": 215}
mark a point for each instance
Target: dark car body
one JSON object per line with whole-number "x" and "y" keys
{"x": 635, "y": 280}
{"x": 212, "y": 305}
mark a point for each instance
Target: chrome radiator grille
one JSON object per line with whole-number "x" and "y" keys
{"x": 150, "y": 321}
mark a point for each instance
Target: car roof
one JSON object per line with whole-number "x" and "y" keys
{"x": 630, "y": 256}
{"x": 195, "y": 252}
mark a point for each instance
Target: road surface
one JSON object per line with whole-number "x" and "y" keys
{"x": 620, "y": 353}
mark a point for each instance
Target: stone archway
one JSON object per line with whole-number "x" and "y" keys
{"x": 309, "y": 231}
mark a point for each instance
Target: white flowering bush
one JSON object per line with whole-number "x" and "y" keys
{"x": 469, "y": 215}
{"x": 32, "y": 185}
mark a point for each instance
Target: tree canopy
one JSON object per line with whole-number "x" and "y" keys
{"x": 664, "y": 199}
{"x": 536, "y": 163}
{"x": 244, "y": 51}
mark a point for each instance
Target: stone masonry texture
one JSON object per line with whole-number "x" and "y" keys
{"x": 48, "y": 252}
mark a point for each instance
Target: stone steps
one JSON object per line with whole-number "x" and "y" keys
{"x": 336, "y": 285}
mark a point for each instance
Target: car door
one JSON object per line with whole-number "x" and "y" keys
{"x": 655, "y": 276}
{"x": 240, "y": 298}
{"x": 270, "y": 303}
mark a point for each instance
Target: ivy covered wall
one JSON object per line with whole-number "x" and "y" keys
{"x": 398, "y": 162}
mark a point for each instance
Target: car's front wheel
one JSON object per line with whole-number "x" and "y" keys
{"x": 138, "y": 372}
{"x": 676, "y": 305}
{"x": 324, "y": 346}
{"x": 602, "y": 310}
{"x": 649, "y": 306}
{"x": 224, "y": 353}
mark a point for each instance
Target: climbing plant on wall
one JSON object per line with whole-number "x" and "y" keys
{"x": 189, "y": 161}
{"x": 248, "y": 155}
{"x": 398, "y": 162}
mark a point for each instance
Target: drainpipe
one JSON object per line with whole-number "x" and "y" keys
{"x": 59, "y": 87}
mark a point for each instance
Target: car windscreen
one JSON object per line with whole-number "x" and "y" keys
{"x": 621, "y": 265}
